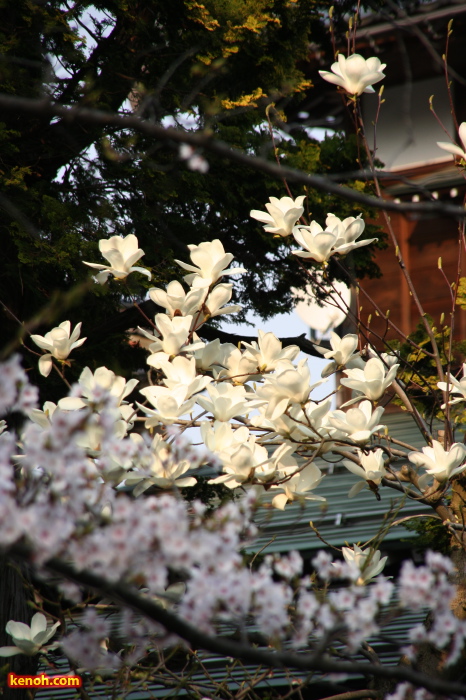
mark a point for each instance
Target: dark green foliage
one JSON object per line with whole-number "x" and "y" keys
{"x": 209, "y": 494}
{"x": 419, "y": 371}
{"x": 219, "y": 64}
{"x": 429, "y": 533}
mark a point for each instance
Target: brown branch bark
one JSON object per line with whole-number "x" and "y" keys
{"x": 205, "y": 140}
{"x": 132, "y": 317}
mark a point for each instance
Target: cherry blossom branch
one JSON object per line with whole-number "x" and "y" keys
{"x": 228, "y": 647}
{"x": 354, "y": 695}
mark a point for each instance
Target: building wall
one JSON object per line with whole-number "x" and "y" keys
{"x": 421, "y": 243}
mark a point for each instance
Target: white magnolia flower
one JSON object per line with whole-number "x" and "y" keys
{"x": 372, "y": 469}
{"x": 237, "y": 365}
{"x": 169, "y": 404}
{"x": 388, "y": 358}
{"x": 439, "y": 463}
{"x": 282, "y": 215}
{"x": 372, "y": 381}
{"x": 452, "y": 147}
{"x": 454, "y": 386}
{"x": 44, "y": 417}
{"x": 220, "y": 435}
{"x": 318, "y": 244}
{"x": 267, "y": 353}
{"x": 355, "y": 74}
{"x": 93, "y": 384}
{"x": 342, "y": 352}
{"x": 307, "y": 425}
{"x": 368, "y": 562}
{"x": 58, "y": 342}
{"x": 176, "y": 301}
{"x": 226, "y": 401}
{"x": 311, "y": 424}
{"x": 357, "y": 423}
{"x": 298, "y": 486}
{"x": 197, "y": 303}
{"x": 338, "y": 237}
{"x": 174, "y": 334}
{"x": 28, "y": 640}
{"x": 347, "y": 231}
{"x": 166, "y": 473}
{"x": 210, "y": 263}
{"x": 209, "y": 355}
{"x": 121, "y": 253}
{"x": 180, "y": 372}
{"x": 241, "y": 462}
{"x": 285, "y": 387}
{"x": 215, "y": 303}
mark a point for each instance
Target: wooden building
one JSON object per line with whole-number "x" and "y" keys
{"x": 415, "y": 168}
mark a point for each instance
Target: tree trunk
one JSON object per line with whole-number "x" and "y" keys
{"x": 14, "y": 606}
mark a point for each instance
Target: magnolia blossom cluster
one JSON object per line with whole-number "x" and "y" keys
{"x": 243, "y": 400}
{"x": 260, "y": 428}
{"x": 318, "y": 244}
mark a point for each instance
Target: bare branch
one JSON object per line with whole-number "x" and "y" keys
{"x": 131, "y": 318}
{"x": 206, "y": 140}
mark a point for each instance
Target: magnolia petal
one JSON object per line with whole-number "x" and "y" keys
{"x": 18, "y": 630}
{"x": 452, "y": 148}
{"x": 71, "y": 403}
{"x": 462, "y": 134}
{"x": 355, "y": 469}
{"x": 423, "y": 481}
{"x": 38, "y": 624}
{"x": 134, "y": 257}
{"x": 280, "y": 501}
{"x": 42, "y": 342}
{"x": 102, "y": 277}
{"x": 45, "y": 365}
{"x": 77, "y": 343}
{"x": 351, "y": 401}
{"x": 10, "y": 651}
{"x": 332, "y": 78}
{"x": 188, "y": 481}
{"x": 276, "y": 409}
{"x": 43, "y": 637}
{"x": 96, "y": 266}
{"x": 261, "y": 216}
{"x": 142, "y": 270}
{"x": 354, "y": 490}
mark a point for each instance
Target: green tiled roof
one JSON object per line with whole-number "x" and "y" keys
{"x": 342, "y": 519}
{"x": 219, "y": 668}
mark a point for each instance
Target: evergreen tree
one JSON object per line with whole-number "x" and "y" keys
{"x": 215, "y": 67}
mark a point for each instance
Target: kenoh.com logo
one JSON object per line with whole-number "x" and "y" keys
{"x": 44, "y": 681}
